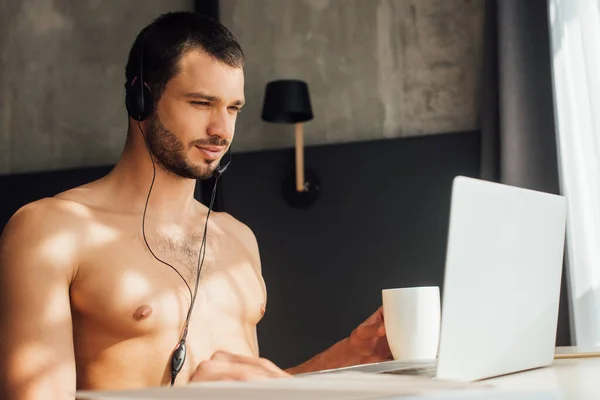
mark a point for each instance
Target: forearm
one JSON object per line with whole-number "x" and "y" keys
{"x": 337, "y": 356}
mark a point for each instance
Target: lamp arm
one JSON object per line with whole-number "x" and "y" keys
{"x": 299, "y": 157}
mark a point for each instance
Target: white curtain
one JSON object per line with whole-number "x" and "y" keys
{"x": 575, "y": 44}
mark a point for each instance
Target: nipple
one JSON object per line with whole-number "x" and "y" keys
{"x": 263, "y": 309}
{"x": 142, "y": 312}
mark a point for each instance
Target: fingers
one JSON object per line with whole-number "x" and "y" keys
{"x": 377, "y": 322}
{"x": 376, "y": 317}
{"x": 381, "y": 331}
{"x": 371, "y": 329}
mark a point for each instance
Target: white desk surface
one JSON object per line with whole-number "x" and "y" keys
{"x": 566, "y": 379}
{"x": 576, "y": 378}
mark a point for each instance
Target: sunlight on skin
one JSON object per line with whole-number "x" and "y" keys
{"x": 31, "y": 351}
{"x": 55, "y": 309}
{"x": 65, "y": 242}
{"x": 106, "y": 234}
{"x": 232, "y": 278}
{"x": 58, "y": 244}
{"x": 134, "y": 290}
{"x": 134, "y": 285}
{"x": 34, "y": 371}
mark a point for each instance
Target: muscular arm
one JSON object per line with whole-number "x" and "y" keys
{"x": 339, "y": 355}
{"x": 250, "y": 243}
{"x": 366, "y": 344}
{"x": 36, "y": 268}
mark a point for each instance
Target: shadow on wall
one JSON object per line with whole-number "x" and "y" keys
{"x": 381, "y": 222}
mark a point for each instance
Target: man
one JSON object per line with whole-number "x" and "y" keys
{"x": 90, "y": 300}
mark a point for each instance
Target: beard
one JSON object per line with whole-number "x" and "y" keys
{"x": 170, "y": 153}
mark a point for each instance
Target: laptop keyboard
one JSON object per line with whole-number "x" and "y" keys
{"x": 427, "y": 372}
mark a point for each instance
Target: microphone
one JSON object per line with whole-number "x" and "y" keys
{"x": 222, "y": 168}
{"x": 219, "y": 170}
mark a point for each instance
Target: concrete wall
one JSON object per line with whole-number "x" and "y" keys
{"x": 62, "y": 66}
{"x": 376, "y": 68}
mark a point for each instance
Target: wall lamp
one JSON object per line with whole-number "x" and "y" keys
{"x": 287, "y": 101}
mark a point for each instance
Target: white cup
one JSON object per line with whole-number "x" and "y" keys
{"x": 412, "y": 321}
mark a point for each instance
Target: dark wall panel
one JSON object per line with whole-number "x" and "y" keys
{"x": 381, "y": 222}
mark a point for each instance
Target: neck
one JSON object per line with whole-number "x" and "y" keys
{"x": 172, "y": 197}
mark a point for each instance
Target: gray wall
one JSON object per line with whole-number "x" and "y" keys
{"x": 376, "y": 68}
{"x": 62, "y": 69}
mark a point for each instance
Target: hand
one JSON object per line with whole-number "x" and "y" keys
{"x": 369, "y": 341}
{"x": 227, "y": 366}
{"x": 366, "y": 344}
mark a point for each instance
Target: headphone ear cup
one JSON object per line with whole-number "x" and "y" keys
{"x": 139, "y": 101}
{"x": 148, "y": 108}
{"x": 130, "y": 102}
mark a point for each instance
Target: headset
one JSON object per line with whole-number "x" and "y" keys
{"x": 139, "y": 102}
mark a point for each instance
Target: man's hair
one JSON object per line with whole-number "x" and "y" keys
{"x": 169, "y": 37}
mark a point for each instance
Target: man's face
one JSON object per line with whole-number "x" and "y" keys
{"x": 194, "y": 121}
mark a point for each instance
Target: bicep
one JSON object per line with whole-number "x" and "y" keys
{"x": 36, "y": 353}
{"x": 251, "y": 244}
{"x": 263, "y": 292}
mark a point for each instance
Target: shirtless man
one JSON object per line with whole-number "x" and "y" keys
{"x": 85, "y": 304}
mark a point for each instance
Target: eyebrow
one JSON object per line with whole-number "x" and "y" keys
{"x": 207, "y": 97}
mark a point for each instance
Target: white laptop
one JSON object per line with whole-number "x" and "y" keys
{"x": 501, "y": 286}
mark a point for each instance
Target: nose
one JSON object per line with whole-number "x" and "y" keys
{"x": 221, "y": 124}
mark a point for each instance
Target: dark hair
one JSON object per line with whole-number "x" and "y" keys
{"x": 169, "y": 37}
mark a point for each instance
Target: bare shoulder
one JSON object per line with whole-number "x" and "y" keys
{"x": 50, "y": 228}
{"x": 237, "y": 227}
{"x": 241, "y": 232}
{"x": 47, "y": 214}
{"x": 38, "y": 263}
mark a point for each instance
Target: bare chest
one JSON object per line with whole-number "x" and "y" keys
{"x": 126, "y": 301}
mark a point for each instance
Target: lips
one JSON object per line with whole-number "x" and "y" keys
{"x": 211, "y": 152}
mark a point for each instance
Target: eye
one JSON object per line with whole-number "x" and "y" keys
{"x": 201, "y": 103}
{"x": 236, "y": 109}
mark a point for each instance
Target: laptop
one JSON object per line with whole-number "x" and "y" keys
{"x": 502, "y": 282}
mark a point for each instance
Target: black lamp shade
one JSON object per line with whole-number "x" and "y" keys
{"x": 287, "y": 101}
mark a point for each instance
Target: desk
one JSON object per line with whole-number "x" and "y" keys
{"x": 566, "y": 379}
{"x": 576, "y": 378}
